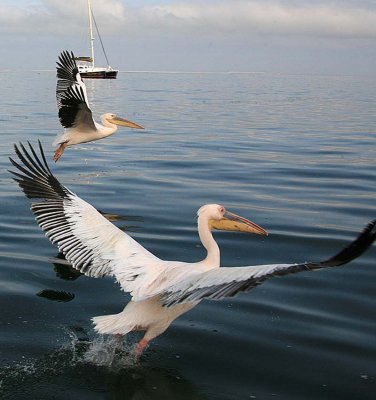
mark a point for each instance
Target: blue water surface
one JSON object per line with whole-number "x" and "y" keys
{"x": 294, "y": 153}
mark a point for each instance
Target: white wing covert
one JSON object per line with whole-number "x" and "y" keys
{"x": 88, "y": 240}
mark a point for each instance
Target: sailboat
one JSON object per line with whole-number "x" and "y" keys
{"x": 86, "y": 65}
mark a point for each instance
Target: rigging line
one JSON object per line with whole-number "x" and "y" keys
{"x": 100, "y": 38}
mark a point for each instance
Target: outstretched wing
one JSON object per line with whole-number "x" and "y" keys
{"x": 88, "y": 240}
{"x": 71, "y": 96}
{"x": 227, "y": 282}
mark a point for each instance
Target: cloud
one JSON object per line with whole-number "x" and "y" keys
{"x": 260, "y": 17}
{"x": 189, "y": 18}
{"x": 59, "y": 18}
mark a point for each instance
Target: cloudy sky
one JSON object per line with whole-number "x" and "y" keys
{"x": 287, "y": 36}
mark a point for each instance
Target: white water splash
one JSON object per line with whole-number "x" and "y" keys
{"x": 79, "y": 351}
{"x": 109, "y": 352}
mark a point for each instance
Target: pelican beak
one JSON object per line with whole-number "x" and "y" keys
{"x": 125, "y": 122}
{"x": 233, "y": 222}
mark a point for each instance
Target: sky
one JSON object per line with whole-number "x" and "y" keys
{"x": 278, "y": 36}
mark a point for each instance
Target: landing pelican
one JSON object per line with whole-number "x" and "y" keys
{"x": 74, "y": 111}
{"x": 161, "y": 290}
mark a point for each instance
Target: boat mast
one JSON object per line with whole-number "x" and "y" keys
{"x": 91, "y": 33}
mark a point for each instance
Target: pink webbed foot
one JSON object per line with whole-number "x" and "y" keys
{"x": 59, "y": 151}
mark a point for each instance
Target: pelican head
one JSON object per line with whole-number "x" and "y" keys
{"x": 221, "y": 219}
{"x": 114, "y": 119}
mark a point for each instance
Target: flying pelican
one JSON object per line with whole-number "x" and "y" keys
{"x": 74, "y": 111}
{"x": 161, "y": 290}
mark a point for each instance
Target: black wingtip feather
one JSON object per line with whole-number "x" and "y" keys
{"x": 355, "y": 248}
{"x": 35, "y": 177}
{"x": 42, "y": 154}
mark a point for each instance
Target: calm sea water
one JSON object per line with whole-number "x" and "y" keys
{"x": 296, "y": 154}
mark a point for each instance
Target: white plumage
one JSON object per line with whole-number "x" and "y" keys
{"x": 161, "y": 290}
{"x": 74, "y": 112}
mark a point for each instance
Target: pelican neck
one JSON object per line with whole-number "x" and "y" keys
{"x": 213, "y": 254}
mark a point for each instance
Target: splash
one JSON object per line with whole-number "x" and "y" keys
{"x": 101, "y": 351}
{"x": 85, "y": 366}
{"x": 109, "y": 352}
{"x": 78, "y": 353}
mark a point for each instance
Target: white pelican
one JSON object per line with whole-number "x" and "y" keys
{"x": 161, "y": 290}
{"x": 74, "y": 111}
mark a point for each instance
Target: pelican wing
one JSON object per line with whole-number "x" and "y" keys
{"x": 67, "y": 73}
{"x": 227, "y": 282}
{"x": 88, "y": 240}
{"x": 71, "y": 96}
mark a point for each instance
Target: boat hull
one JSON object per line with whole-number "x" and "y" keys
{"x": 99, "y": 74}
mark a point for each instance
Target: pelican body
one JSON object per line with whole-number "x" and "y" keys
{"x": 74, "y": 112}
{"x": 160, "y": 290}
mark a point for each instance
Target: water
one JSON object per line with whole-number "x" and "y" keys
{"x": 296, "y": 154}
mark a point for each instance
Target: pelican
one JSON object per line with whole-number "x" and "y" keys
{"x": 74, "y": 112}
{"x": 160, "y": 290}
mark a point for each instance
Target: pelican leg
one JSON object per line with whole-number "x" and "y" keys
{"x": 59, "y": 151}
{"x": 140, "y": 347}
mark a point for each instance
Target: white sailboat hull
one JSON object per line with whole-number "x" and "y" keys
{"x": 97, "y": 72}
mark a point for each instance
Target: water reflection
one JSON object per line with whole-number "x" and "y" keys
{"x": 64, "y": 269}
{"x": 56, "y": 295}
{"x": 148, "y": 384}
{"x": 117, "y": 217}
